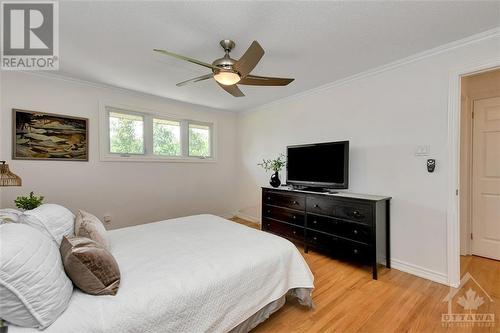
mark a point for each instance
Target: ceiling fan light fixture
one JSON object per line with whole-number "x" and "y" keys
{"x": 227, "y": 78}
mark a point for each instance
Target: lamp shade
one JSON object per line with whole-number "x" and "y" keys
{"x": 227, "y": 78}
{"x": 7, "y": 178}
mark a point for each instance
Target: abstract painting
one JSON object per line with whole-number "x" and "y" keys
{"x": 46, "y": 136}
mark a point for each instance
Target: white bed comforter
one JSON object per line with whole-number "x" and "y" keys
{"x": 192, "y": 274}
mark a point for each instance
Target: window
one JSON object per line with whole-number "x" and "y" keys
{"x": 199, "y": 140}
{"x": 137, "y": 136}
{"x": 126, "y": 133}
{"x": 166, "y": 137}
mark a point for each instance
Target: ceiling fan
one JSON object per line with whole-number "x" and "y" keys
{"x": 228, "y": 72}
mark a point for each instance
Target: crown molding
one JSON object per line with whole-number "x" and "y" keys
{"x": 488, "y": 34}
{"x": 130, "y": 92}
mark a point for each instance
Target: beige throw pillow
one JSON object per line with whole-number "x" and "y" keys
{"x": 89, "y": 226}
{"x": 90, "y": 266}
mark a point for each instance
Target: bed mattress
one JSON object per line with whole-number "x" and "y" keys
{"x": 193, "y": 274}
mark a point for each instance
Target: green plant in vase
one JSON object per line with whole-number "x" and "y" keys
{"x": 275, "y": 165}
{"x": 28, "y": 203}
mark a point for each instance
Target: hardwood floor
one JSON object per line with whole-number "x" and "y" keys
{"x": 348, "y": 300}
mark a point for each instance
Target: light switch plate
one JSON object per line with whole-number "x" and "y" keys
{"x": 423, "y": 150}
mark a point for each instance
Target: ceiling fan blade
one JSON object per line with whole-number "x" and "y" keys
{"x": 196, "y": 79}
{"x": 233, "y": 90}
{"x": 250, "y": 59}
{"x": 194, "y": 61}
{"x": 253, "y": 80}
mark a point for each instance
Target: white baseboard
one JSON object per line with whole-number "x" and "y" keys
{"x": 227, "y": 216}
{"x": 420, "y": 271}
{"x": 247, "y": 217}
{"x": 243, "y": 216}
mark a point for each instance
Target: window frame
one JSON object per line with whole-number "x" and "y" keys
{"x": 120, "y": 111}
{"x": 148, "y": 115}
{"x": 181, "y": 139}
{"x": 210, "y": 137}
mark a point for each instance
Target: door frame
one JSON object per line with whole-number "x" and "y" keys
{"x": 453, "y": 144}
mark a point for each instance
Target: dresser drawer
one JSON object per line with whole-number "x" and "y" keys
{"x": 320, "y": 205}
{"x": 339, "y": 247}
{"x": 320, "y": 240}
{"x": 354, "y": 231}
{"x": 284, "y": 214}
{"x": 283, "y": 229}
{"x": 289, "y": 200}
{"x": 354, "y": 251}
{"x": 357, "y": 212}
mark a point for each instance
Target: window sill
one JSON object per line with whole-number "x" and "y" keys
{"x": 132, "y": 158}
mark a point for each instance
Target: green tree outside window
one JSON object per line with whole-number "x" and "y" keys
{"x": 166, "y": 137}
{"x": 126, "y": 133}
{"x": 199, "y": 140}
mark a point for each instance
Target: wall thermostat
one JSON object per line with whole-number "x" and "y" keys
{"x": 431, "y": 164}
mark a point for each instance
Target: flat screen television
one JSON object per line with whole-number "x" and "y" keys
{"x": 319, "y": 165}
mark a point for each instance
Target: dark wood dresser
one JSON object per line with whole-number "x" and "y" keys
{"x": 345, "y": 225}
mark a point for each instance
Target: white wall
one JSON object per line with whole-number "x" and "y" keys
{"x": 131, "y": 192}
{"x": 385, "y": 115}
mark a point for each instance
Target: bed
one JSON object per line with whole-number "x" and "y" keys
{"x": 193, "y": 274}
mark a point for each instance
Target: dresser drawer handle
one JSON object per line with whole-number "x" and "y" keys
{"x": 269, "y": 211}
{"x": 315, "y": 238}
{"x": 356, "y": 213}
{"x": 268, "y": 198}
{"x": 295, "y": 202}
{"x": 294, "y": 232}
{"x": 355, "y": 251}
{"x": 315, "y": 222}
{"x": 355, "y": 232}
{"x": 294, "y": 217}
{"x": 316, "y": 206}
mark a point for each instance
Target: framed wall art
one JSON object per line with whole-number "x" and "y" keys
{"x": 48, "y": 136}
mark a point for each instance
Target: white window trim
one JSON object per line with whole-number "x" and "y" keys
{"x": 104, "y": 144}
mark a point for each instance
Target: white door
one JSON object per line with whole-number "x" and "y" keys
{"x": 486, "y": 178}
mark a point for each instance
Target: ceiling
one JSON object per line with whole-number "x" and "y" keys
{"x": 314, "y": 42}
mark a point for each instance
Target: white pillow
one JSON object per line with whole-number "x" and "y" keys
{"x": 9, "y": 215}
{"x": 34, "y": 288}
{"x": 54, "y": 220}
